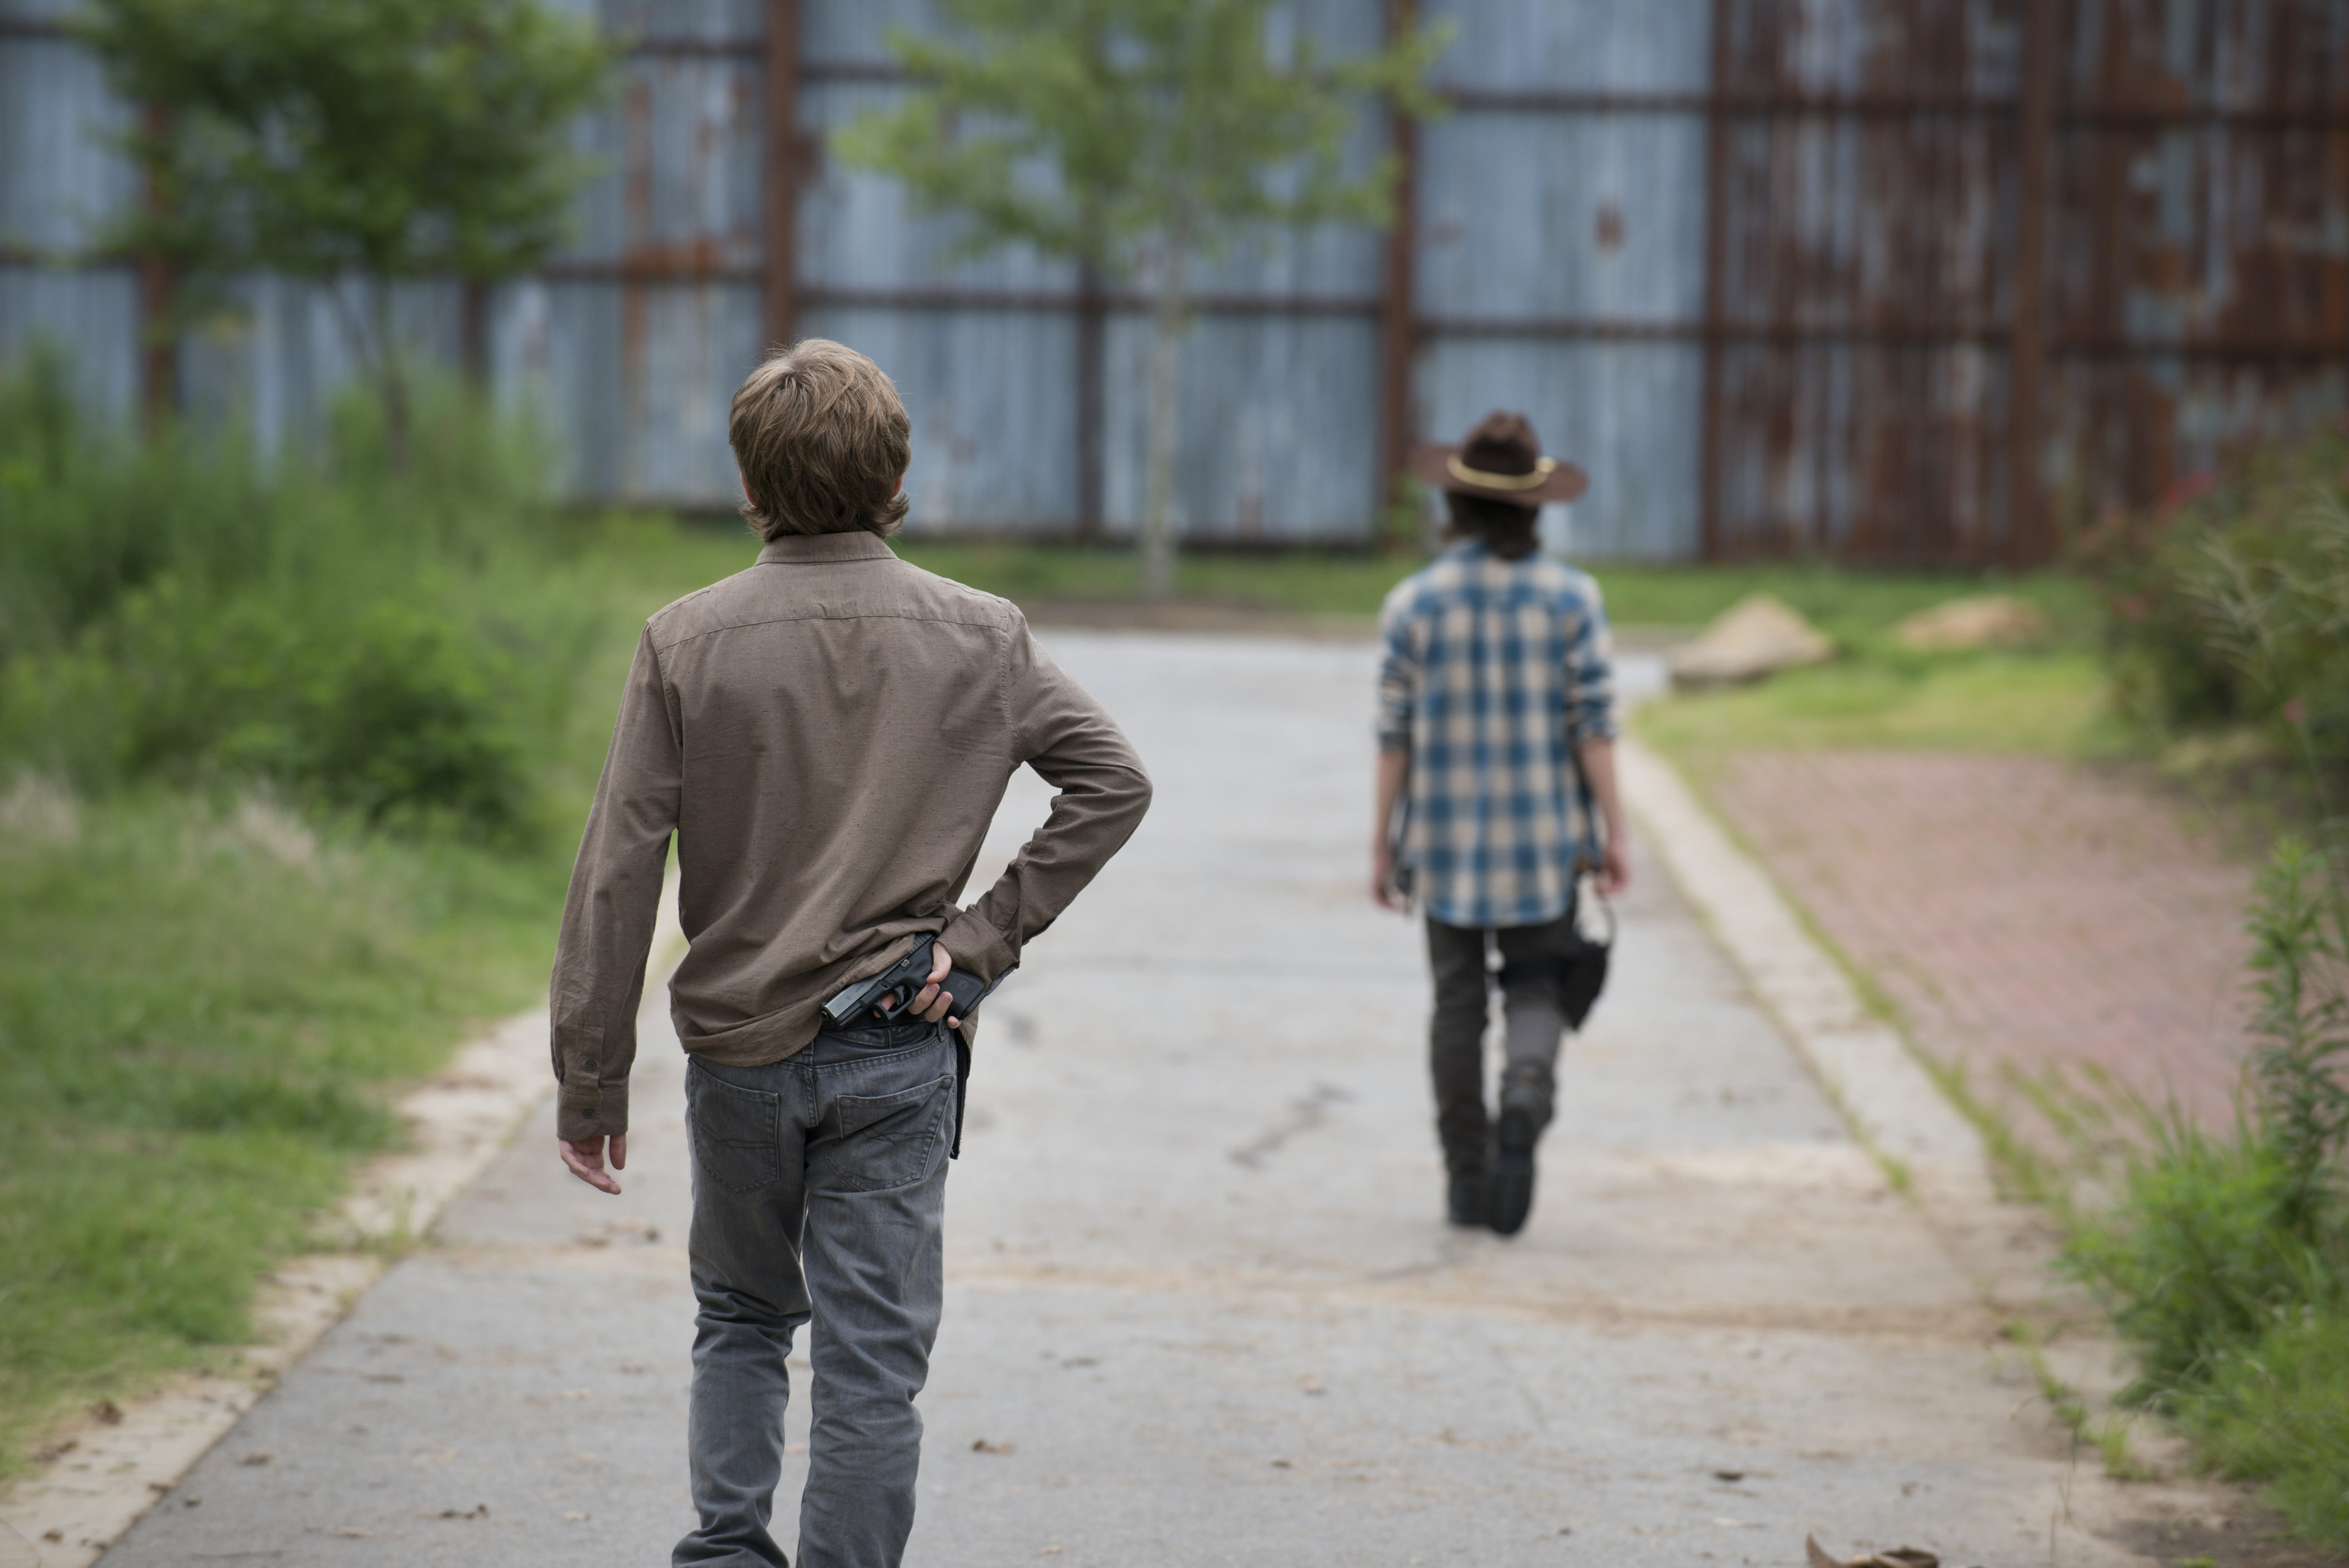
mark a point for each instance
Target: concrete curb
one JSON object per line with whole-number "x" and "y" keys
{"x": 107, "y": 1470}
{"x": 1892, "y": 1104}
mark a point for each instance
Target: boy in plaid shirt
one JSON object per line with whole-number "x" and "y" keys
{"x": 1496, "y": 731}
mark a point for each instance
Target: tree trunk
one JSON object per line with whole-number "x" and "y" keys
{"x": 1168, "y": 312}
{"x": 391, "y": 380}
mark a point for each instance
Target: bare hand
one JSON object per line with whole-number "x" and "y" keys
{"x": 585, "y": 1156}
{"x": 931, "y": 1003}
{"x": 1383, "y": 887}
{"x": 1614, "y": 873}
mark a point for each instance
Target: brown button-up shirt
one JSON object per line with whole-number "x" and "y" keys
{"x": 827, "y": 734}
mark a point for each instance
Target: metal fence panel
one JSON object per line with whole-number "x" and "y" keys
{"x": 993, "y": 409}
{"x": 1279, "y": 422}
{"x": 62, "y": 184}
{"x": 1625, "y": 412}
{"x": 1763, "y": 283}
{"x": 2226, "y": 235}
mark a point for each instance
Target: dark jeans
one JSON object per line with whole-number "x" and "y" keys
{"x": 1533, "y": 1025}
{"x": 819, "y": 1190}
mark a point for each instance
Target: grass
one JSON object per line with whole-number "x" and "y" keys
{"x": 207, "y": 1005}
{"x": 1848, "y": 604}
{"x": 202, "y": 1023}
{"x": 2052, "y": 703}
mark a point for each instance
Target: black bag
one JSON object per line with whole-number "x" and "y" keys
{"x": 1582, "y": 973}
{"x": 1578, "y": 971}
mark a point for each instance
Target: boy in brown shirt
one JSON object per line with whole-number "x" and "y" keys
{"x": 828, "y": 735}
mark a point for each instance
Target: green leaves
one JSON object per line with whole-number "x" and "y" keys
{"x": 2300, "y": 932}
{"x": 1092, "y": 129}
{"x": 2231, "y": 606}
{"x": 389, "y": 137}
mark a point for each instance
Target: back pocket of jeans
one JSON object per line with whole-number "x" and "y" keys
{"x": 886, "y": 1141}
{"x": 733, "y": 1131}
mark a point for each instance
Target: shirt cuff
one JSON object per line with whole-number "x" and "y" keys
{"x": 976, "y": 947}
{"x": 591, "y": 1110}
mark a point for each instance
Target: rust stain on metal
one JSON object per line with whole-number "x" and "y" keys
{"x": 783, "y": 156}
{"x": 1886, "y": 364}
{"x": 159, "y": 286}
{"x": 1398, "y": 325}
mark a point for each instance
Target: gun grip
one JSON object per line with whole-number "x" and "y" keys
{"x": 967, "y": 990}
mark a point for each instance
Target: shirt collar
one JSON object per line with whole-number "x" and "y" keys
{"x": 858, "y": 545}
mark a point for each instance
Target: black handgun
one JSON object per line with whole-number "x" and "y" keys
{"x": 894, "y": 987}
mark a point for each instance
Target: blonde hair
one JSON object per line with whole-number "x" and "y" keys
{"x": 821, "y": 441}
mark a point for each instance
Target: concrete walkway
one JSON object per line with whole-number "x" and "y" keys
{"x": 1202, "y": 1306}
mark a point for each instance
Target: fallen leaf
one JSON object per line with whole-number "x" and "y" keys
{"x": 255, "y": 1458}
{"x": 1729, "y": 1475}
{"x": 1282, "y": 1465}
{"x": 1896, "y": 1557}
{"x": 347, "y": 1533}
{"x": 53, "y": 1536}
{"x": 981, "y": 1445}
{"x": 479, "y": 1511}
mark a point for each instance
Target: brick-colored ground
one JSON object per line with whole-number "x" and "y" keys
{"x": 2017, "y": 909}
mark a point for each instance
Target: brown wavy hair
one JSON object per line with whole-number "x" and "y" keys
{"x": 1506, "y": 528}
{"x": 821, "y": 441}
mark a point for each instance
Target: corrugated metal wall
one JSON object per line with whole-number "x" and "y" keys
{"x": 1559, "y": 267}
{"x": 1751, "y": 262}
{"x": 1883, "y": 368}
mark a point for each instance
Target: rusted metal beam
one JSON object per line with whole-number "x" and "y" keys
{"x": 474, "y": 330}
{"x": 1780, "y": 104}
{"x": 778, "y": 271}
{"x": 2026, "y": 349}
{"x": 1939, "y": 332}
{"x": 1710, "y": 412}
{"x": 159, "y": 287}
{"x": 1398, "y": 320}
{"x": 1928, "y": 333}
{"x": 1092, "y": 372}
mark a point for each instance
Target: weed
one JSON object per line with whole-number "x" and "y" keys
{"x": 2226, "y": 1262}
{"x": 2225, "y": 607}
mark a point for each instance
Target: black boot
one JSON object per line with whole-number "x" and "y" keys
{"x": 1470, "y": 1200}
{"x": 1513, "y": 1171}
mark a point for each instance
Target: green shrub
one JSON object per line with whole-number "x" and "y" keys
{"x": 2226, "y": 1264}
{"x": 2230, "y": 606}
{"x": 364, "y": 639}
{"x": 2278, "y": 1410}
{"x": 2200, "y": 1257}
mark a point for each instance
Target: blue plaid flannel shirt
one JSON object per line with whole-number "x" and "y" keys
{"x": 1494, "y": 672}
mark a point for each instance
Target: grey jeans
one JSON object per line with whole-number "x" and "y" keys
{"x": 1533, "y": 1025}
{"x": 818, "y": 1191}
